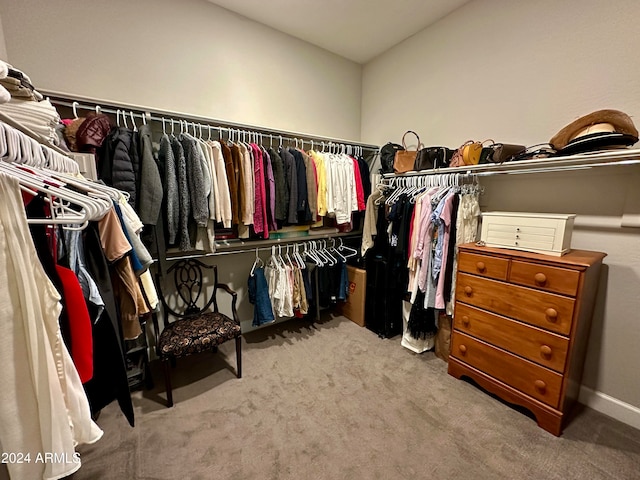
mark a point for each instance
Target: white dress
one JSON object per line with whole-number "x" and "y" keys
{"x": 44, "y": 411}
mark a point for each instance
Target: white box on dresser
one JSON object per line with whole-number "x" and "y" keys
{"x": 548, "y": 233}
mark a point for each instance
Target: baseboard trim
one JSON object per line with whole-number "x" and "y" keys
{"x": 610, "y": 406}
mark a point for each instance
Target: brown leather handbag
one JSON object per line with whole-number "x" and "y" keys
{"x": 501, "y": 152}
{"x": 404, "y": 160}
{"x": 433, "y": 157}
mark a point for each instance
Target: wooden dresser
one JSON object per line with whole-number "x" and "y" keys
{"x": 521, "y": 326}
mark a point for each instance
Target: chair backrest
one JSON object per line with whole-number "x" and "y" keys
{"x": 186, "y": 283}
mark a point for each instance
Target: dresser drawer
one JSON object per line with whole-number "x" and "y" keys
{"x": 492, "y": 267}
{"x": 546, "y": 310}
{"x": 531, "y": 379}
{"x": 539, "y": 346}
{"x": 552, "y": 279}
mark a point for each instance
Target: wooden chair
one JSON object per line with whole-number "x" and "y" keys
{"x": 196, "y": 328}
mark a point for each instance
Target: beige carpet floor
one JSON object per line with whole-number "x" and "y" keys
{"x": 331, "y": 400}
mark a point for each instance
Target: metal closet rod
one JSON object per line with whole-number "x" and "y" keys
{"x": 233, "y": 248}
{"x": 88, "y": 103}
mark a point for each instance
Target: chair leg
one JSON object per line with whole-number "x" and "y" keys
{"x": 239, "y": 356}
{"x": 167, "y": 381}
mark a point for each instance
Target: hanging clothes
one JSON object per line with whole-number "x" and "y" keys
{"x": 281, "y": 188}
{"x": 270, "y": 188}
{"x": 43, "y": 407}
{"x": 260, "y": 222}
{"x": 258, "y": 290}
{"x": 167, "y": 164}
{"x": 232, "y": 181}
{"x": 312, "y": 186}
{"x": 319, "y": 162}
{"x": 303, "y": 214}
{"x": 117, "y": 157}
{"x": 184, "y": 197}
{"x": 109, "y": 380}
{"x": 150, "y": 186}
{"x": 226, "y": 213}
{"x": 291, "y": 179}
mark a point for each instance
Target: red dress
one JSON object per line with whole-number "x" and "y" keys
{"x": 79, "y": 324}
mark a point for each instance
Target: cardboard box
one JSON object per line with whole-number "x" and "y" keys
{"x": 353, "y": 307}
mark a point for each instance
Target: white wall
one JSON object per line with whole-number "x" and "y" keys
{"x": 517, "y": 72}
{"x": 189, "y": 56}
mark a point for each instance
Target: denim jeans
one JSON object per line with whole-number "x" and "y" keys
{"x": 259, "y": 297}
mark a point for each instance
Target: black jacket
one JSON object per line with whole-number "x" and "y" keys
{"x": 116, "y": 167}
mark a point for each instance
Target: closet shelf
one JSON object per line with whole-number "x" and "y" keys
{"x": 581, "y": 161}
{"x": 230, "y": 247}
{"x": 108, "y": 106}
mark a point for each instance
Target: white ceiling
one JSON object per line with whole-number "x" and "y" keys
{"x": 355, "y": 29}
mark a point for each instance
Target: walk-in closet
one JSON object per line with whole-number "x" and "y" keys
{"x": 319, "y": 240}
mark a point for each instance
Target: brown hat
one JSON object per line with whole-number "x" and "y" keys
{"x": 612, "y": 124}
{"x": 92, "y": 132}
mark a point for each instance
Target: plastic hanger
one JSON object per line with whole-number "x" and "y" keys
{"x": 59, "y": 199}
{"x": 3, "y": 140}
{"x": 298, "y": 257}
{"x": 133, "y": 122}
{"x": 325, "y": 250}
{"x": 256, "y": 263}
{"x": 320, "y": 252}
{"x": 335, "y": 251}
{"x": 351, "y": 252}
{"x": 13, "y": 145}
{"x": 102, "y": 198}
{"x": 309, "y": 254}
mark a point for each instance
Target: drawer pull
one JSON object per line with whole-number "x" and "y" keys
{"x": 465, "y": 320}
{"x": 540, "y": 386}
{"x": 545, "y": 350}
{"x": 463, "y": 349}
{"x": 540, "y": 278}
{"x": 552, "y": 314}
{"x": 468, "y": 290}
{"x": 481, "y": 266}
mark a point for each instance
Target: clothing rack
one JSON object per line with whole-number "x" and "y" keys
{"x": 237, "y": 246}
{"x": 439, "y": 179}
{"x": 200, "y": 123}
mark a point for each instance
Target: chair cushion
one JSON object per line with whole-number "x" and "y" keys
{"x": 196, "y": 334}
